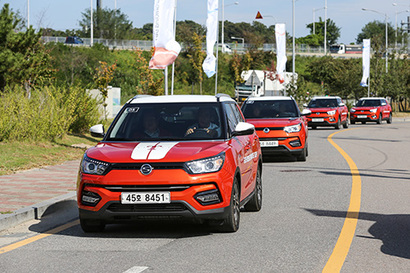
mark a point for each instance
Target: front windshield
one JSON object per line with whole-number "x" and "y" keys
{"x": 270, "y": 109}
{"x": 368, "y": 103}
{"x": 322, "y": 103}
{"x": 168, "y": 121}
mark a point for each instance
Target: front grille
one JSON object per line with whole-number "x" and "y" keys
{"x": 270, "y": 128}
{"x": 117, "y": 207}
{"x": 139, "y": 188}
{"x": 155, "y": 166}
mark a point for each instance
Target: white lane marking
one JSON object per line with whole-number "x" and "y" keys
{"x": 161, "y": 150}
{"x": 136, "y": 269}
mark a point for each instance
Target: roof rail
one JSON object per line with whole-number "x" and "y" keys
{"x": 219, "y": 95}
{"x": 136, "y": 97}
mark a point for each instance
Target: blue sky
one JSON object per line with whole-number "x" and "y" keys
{"x": 347, "y": 14}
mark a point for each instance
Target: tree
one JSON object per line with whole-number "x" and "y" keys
{"x": 108, "y": 24}
{"x": 332, "y": 31}
{"x": 376, "y": 31}
{"x": 105, "y": 74}
{"x": 196, "y": 58}
{"x": 23, "y": 58}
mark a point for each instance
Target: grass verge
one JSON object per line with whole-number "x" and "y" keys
{"x": 16, "y": 156}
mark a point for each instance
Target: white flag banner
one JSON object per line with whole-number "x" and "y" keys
{"x": 280, "y": 33}
{"x": 209, "y": 64}
{"x": 366, "y": 62}
{"x": 166, "y": 49}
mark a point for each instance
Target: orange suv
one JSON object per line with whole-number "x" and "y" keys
{"x": 172, "y": 157}
{"x": 327, "y": 111}
{"x": 281, "y": 128}
{"x": 371, "y": 109}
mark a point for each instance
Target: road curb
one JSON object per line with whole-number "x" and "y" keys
{"x": 31, "y": 212}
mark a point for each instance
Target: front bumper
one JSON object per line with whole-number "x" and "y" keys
{"x": 114, "y": 211}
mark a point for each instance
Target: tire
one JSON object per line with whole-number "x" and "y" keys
{"x": 346, "y": 124}
{"x": 307, "y": 148}
{"x": 338, "y": 125}
{"x": 363, "y": 122}
{"x": 313, "y": 127}
{"x": 255, "y": 203}
{"x": 352, "y": 122}
{"x": 390, "y": 119}
{"x": 302, "y": 156}
{"x": 88, "y": 225}
{"x": 379, "y": 120}
{"x": 231, "y": 221}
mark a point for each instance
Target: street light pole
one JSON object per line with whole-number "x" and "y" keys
{"x": 314, "y": 19}
{"x": 385, "y": 21}
{"x": 325, "y": 25}
{"x": 92, "y": 25}
{"x": 293, "y": 40}
{"x": 223, "y": 23}
{"x": 28, "y": 14}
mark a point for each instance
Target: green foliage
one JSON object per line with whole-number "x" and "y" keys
{"x": 108, "y": 24}
{"x": 376, "y": 31}
{"x": 23, "y": 58}
{"x": 49, "y": 114}
{"x": 332, "y": 31}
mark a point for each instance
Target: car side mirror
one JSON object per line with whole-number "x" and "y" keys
{"x": 341, "y": 104}
{"x": 97, "y": 130}
{"x": 306, "y": 112}
{"x": 243, "y": 129}
{"x": 384, "y": 104}
{"x": 305, "y": 105}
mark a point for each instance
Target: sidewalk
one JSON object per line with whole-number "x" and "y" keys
{"x": 26, "y": 195}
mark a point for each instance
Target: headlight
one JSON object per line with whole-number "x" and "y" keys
{"x": 207, "y": 165}
{"x": 373, "y": 110}
{"x": 331, "y": 113}
{"x": 352, "y": 110}
{"x": 92, "y": 166}
{"x": 292, "y": 129}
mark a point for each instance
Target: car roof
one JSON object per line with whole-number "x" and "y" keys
{"x": 179, "y": 98}
{"x": 326, "y": 97}
{"x": 372, "y": 98}
{"x": 267, "y": 98}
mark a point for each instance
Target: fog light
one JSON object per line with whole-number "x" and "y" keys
{"x": 89, "y": 198}
{"x": 331, "y": 119}
{"x": 208, "y": 197}
{"x": 295, "y": 143}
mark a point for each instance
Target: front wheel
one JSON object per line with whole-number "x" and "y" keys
{"x": 302, "y": 156}
{"x": 390, "y": 119}
{"x": 231, "y": 221}
{"x": 346, "y": 124}
{"x": 379, "y": 120}
{"x": 89, "y": 225}
{"x": 338, "y": 124}
{"x": 255, "y": 204}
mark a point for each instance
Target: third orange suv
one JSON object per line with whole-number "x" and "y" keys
{"x": 327, "y": 111}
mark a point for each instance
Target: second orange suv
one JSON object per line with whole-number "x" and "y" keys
{"x": 281, "y": 128}
{"x": 371, "y": 109}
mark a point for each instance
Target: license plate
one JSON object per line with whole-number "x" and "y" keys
{"x": 145, "y": 197}
{"x": 317, "y": 120}
{"x": 361, "y": 116}
{"x": 273, "y": 143}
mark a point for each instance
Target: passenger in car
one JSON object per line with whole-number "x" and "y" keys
{"x": 151, "y": 127}
{"x": 204, "y": 123}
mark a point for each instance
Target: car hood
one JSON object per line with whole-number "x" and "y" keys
{"x": 156, "y": 151}
{"x": 274, "y": 122}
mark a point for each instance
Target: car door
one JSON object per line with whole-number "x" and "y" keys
{"x": 242, "y": 147}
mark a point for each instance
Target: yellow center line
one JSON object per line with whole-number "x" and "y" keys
{"x": 338, "y": 256}
{"x": 38, "y": 237}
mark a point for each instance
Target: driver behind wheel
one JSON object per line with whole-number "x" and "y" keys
{"x": 204, "y": 123}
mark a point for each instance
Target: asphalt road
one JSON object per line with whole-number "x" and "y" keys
{"x": 304, "y": 226}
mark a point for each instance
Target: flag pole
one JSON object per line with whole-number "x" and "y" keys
{"x": 217, "y": 59}
{"x": 175, "y": 33}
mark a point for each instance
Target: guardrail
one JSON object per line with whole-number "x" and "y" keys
{"x": 146, "y": 45}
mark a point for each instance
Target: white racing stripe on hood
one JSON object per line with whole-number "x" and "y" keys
{"x": 152, "y": 150}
